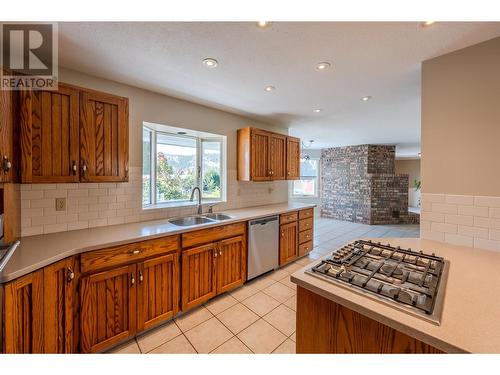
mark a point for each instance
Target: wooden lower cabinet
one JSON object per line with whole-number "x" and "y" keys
{"x": 288, "y": 248}
{"x": 23, "y": 315}
{"x": 108, "y": 305}
{"x": 231, "y": 264}
{"x": 59, "y": 307}
{"x": 212, "y": 269}
{"x": 325, "y": 327}
{"x": 198, "y": 275}
{"x": 157, "y": 290}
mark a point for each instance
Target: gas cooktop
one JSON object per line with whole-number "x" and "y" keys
{"x": 404, "y": 278}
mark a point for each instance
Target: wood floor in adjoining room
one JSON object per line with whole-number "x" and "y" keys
{"x": 258, "y": 317}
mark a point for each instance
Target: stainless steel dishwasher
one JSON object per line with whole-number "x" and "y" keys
{"x": 263, "y": 243}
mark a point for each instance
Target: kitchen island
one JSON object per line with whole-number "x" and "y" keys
{"x": 332, "y": 318}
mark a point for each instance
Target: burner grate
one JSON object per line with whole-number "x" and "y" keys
{"x": 402, "y": 276}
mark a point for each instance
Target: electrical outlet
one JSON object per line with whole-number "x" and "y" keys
{"x": 60, "y": 204}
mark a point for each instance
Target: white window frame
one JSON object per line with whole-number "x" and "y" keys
{"x": 198, "y": 167}
{"x": 316, "y": 185}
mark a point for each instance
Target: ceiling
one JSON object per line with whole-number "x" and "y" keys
{"x": 379, "y": 59}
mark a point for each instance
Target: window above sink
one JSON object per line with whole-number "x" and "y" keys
{"x": 175, "y": 160}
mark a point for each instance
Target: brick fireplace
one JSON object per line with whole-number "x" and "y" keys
{"x": 358, "y": 184}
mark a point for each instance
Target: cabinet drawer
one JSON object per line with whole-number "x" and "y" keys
{"x": 208, "y": 235}
{"x": 133, "y": 252}
{"x": 305, "y": 248}
{"x": 289, "y": 217}
{"x": 305, "y": 236}
{"x": 305, "y": 224}
{"x": 305, "y": 214}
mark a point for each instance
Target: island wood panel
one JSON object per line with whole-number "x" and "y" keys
{"x": 231, "y": 263}
{"x": 108, "y": 308}
{"x": 288, "y": 242}
{"x": 293, "y": 158}
{"x": 59, "y": 302}
{"x": 49, "y": 135}
{"x": 260, "y": 156}
{"x": 7, "y": 113}
{"x": 278, "y": 156}
{"x": 157, "y": 291}
{"x": 324, "y": 327}
{"x": 198, "y": 275}
{"x": 23, "y": 314}
{"x": 103, "y": 137}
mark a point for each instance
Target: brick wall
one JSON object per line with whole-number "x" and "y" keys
{"x": 358, "y": 184}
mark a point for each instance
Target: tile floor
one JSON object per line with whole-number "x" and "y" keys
{"x": 258, "y": 317}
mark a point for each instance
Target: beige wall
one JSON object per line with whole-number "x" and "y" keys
{"x": 412, "y": 169}
{"x": 461, "y": 121}
{"x": 95, "y": 205}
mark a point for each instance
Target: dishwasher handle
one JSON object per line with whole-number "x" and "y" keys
{"x": 263, "y": 221}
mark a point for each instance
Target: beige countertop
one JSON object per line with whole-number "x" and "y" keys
{"x": 470, "y": 320}
{"x": 36, "y": 252}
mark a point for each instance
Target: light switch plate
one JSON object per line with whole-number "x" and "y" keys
{"x": 60, "y": 204}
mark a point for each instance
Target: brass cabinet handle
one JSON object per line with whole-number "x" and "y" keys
{"x": 135, "y": 251}
{"x": 74, "y": 168}
{"x": 282, "y": 234}
{"x": 132, "y": 279}
{"x": 220, "y": 252}
{"x": 7, "y": 164}
{"x": 141, "y": 278}
{"x": 70, "y": 274}
{"x": 84, "y": 168}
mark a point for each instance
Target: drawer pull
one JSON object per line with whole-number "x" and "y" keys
{"x": 136, "y": 251}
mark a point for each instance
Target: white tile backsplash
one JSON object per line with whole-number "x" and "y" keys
{"x": 463, "y": 220}
{"x": 94, "y": 205}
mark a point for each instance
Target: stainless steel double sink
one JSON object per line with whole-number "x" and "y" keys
{"x": 189, "y": 221}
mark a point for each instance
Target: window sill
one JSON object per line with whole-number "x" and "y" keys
{"x": 179, "y": 204}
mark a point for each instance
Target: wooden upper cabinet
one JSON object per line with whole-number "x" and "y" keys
{"x": 108, "y": 308}
{"x": 103, "y": 137}
{"x": 288, "y": 242}
{"x": 278, "y": 157}
{"x": 49, "y": 135}
{"x": 59, "y": 301}
{"x": 198, "y": 275}
{"x": 265, "y": 156}
{"x": 231, "y": 263}
{"x": 23, "y": 315}
{"x": 292, "y": 158}
{"x": 7, "y": 117}
{"x": 157, "y": 290}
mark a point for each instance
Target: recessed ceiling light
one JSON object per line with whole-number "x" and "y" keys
{"x": 317, "y": 110}
{"x": 366, "y": 98}
{"x": 263, "y": 24}
{"x": 322, "y": 66}
{"x": 270, "y": 88}
{"x": 210, "y": 63}
{"x": 427, "y": 23}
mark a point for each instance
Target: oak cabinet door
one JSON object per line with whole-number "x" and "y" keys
{"x": 107, "y": 308}
{"x": 260, "y": 156}
{"x": 59, "y": 299}
{"x": 278, "y": 157}
{"x": 23, "y": 323}
{"x": 288, "y": 242}
{"x": 157, "y": 291}
{"x": 292, "y": 158}
{"x": 103, "y": 137}
{"x": 7, "y": 160}
{"x": 198, "y": 275}
{"x": 231, "y": 263}
{"x": 49, "y": 135}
